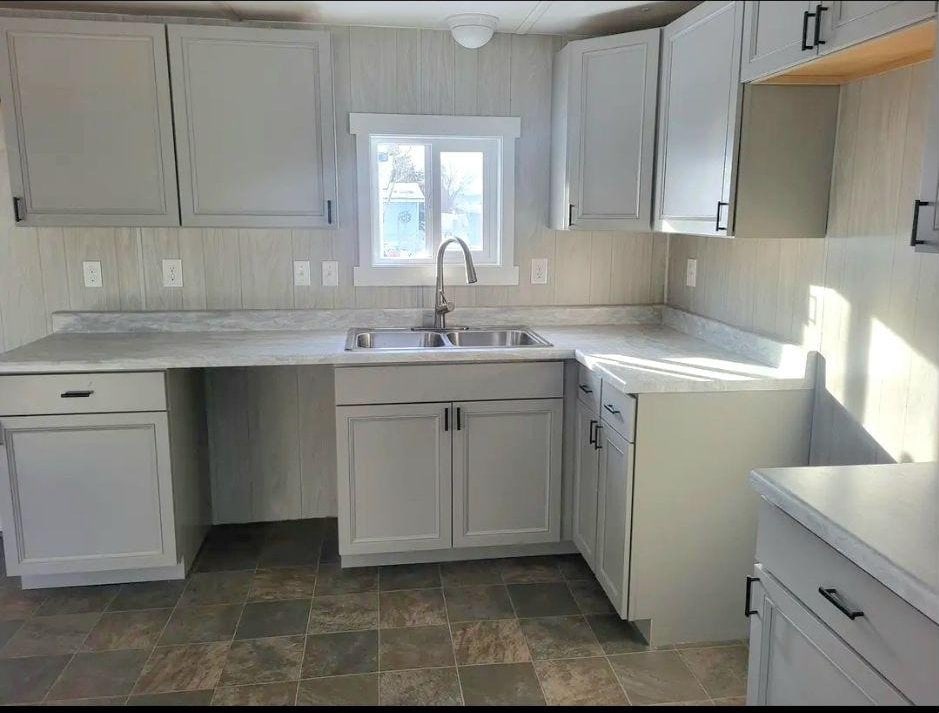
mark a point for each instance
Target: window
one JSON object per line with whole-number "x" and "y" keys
{"x": 423, "y": 179}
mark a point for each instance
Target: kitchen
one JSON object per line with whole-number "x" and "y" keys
{"x": 474, "y": 353}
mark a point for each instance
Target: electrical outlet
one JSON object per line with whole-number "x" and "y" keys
{"x": 330, "y": 273}
{"x": 691, "y": 273}
{"x": 539, "y": 271}
{"x": 91, "y": 270}
{"x": 301, "y": 273}
{"x": 173, "y": 273}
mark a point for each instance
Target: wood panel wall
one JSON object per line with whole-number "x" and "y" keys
{"x": 861, "y": 295}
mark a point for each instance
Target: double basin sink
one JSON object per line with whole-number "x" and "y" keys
{"x": 454, "y": 338}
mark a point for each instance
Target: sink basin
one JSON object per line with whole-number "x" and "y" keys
{"x": 461, "y": 338}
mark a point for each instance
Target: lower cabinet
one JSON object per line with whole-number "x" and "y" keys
{"x": 440, "y": 475}
{"x": 796, "y": 660}
{"x": 586, "y": 460}
{"x": 614, "y": 516}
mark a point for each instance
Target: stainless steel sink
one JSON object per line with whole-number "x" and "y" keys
{"x": 460, "y": 338}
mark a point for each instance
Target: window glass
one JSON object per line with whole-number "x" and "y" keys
{"x": 461, "y": 196}
{"x": 402, "y": 201}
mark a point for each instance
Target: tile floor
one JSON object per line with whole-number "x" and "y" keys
{"x": 268, "y": 617}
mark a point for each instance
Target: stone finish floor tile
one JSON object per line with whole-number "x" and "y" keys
{"x": 579, "y": 682}
{"x": 656, "y": 677}
{"x": 78, "y": 600}
{"x": 265, "y": 619}
{"x": 260, "y": 694}
{"x": 358, "y": 690}
{"x": 409, "y": 576}
{"x": 421, "y": 687}
{"x": 469, "y": 573}
{"x": 108, "y": 673}
{"x": 263, "y": 661}
{"x": 332, "y": 579}
{"x": 411, "y": 607}
{"x": 511, "y": 684}
{"x": 183, "y": 668}
{"x": 479, "y": 602}
{"x": 147, "y": 595}
{"x": 543, "y": 599}
{"x": 615, "y": 635}
{"x": 415, "y": 647}
{"x": 48, "y": 635}
{"x": 526, "y": 570}
{"x": 480, "y": 642}
{"x": 127, "y": 630}
{"x": 282, "y": 583}
{"x": 198, "y": 625}
{"x": 722, "y": 670}
{"x": 175, "y": 698}
{"x": 343, "y": 612}
{"x": 206, "y": 588}
{"x": 27, "y": 680}
{"x": 340, "y": 654}
{"x": 560, "y": 637}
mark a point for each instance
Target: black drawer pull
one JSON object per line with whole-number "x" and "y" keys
{"x": 593, "y": 435}
{"x": 917, "y": 204}
{"x": 586, "y": 389}
{"x": 446, "y": 419}
{"x": 831, "y": 594}
{"x": 805, "y": 30}
{"x": 570, "y": 215}
{"x": 459, "y": 418}
{"x": 717, "y": 221}
{"x": 819, "y": 9}
{"x": 596, "y": 437}
{"x": 614, "y": 411}
{"x": 747, "y": 611}
{"x": 76, "y": 394}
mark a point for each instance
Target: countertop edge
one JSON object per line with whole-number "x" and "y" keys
{"x": 898, "y": 580}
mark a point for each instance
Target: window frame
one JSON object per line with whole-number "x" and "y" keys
{"x": 495, "y": 138}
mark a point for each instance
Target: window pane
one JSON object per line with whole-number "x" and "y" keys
{"x": 401, "y": 201}
{"x": 461, "y": 196}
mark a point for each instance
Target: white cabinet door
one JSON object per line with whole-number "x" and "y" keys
{"x": 507, "y": 472}
{"x": 795, "y": 660}
{"x": 254, "y": 126}
{"x": 586, "y": 463}
{"x": 614, "y": 519}
{"x": 604, "y": 115}
{"x": 86, "y": 110}
{"x": 86, "y": 493}
{"x": 924, "y": 234}
{"x": 699, "y": 109}
{"x": 394, "y": 477}
{"x": 847, "y": 23}
{"x": 777, "y": 35}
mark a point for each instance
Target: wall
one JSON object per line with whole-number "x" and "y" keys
{"x": 861, "y": 295}
{"x": 375, "y": 70}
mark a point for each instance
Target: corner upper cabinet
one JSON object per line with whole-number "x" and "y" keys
{"x": 255, "y": 130}
{"x": 603, "y": 118}
{"x": 777, "y": 35}
{"x": 86, "y": 110}
{"x": 699, "y": 109}
{"x": 846, "y": 23}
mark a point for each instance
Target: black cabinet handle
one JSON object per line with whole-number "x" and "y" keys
{"x": 609, "y": 407}
{"x": 717, "y": 220}
{"x": 570, "y": 215}
{"x": 459, "y": 418}
{"x": 596, "y": 437}
{"x": 819, "y": 9}
{"x": 593, "y": 436}
{"x": 747, "y": 611}
{"x": 76, "y": 394}
{"x": 805, "y": 30}
{"x": 586, "y": 389}
{"x": 917, "y": 204}
{"x": 446, "y": 419}
{"x": 17, "y": 216}
{"x": 831, "y": 594}
{"x": 329, "y": 212}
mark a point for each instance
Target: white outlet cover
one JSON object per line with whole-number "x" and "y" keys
{"x": 691, "y": 273}
{"x": 91, "y": 272}
{"x": 301, "y": 273}
{"x": 172, "y": 272}
{"x": 330, "y": 273}
{"x": 539, "y": 271}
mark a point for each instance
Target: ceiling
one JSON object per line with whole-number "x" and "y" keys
{"x": 552, "y": 17}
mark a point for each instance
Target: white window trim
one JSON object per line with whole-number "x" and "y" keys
{"x": 504, "y": 128}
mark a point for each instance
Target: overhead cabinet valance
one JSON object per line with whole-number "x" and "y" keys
{"x": 89, "y": 117}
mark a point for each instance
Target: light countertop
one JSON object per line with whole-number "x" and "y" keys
{"x": 636, "y": 358}
{"x": 884, "y": 518}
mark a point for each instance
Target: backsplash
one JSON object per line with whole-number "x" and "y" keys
{"x": 861, "y": 295}
{"x": 375, "y": 70}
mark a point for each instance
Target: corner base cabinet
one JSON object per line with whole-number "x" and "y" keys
{"x": 450, "y": 472}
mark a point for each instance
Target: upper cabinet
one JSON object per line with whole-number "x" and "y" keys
{"x": 699, "y": 107}
{"x": 603, "y": 124}
{"x": 781, "y": 35}
{"x": 924, "y": 235}
{"x": 255, "y": 132}
{"x": 86, "y": 109}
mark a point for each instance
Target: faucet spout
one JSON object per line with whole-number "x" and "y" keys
{"x": 441, "y": 305}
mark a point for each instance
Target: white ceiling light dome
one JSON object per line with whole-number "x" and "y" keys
{"x": 472, "y": 29}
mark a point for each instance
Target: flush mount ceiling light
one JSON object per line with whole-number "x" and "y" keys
{"x": 472, "y": 29}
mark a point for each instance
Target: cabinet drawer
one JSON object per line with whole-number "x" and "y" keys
{"x": 448, "y": 382}
{"x": 618, "y": 411}
{"x": 588, "y": 387}
{"x": 896, "y": 639}
{"x": 40, "y": 394}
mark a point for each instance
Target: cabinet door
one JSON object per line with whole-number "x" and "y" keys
{"x": 86, "y": 493}
{"x": 254, "y": 126}
{"x": 847, "y": 23}
{"x": 394, "y": 478}
{"x": 586, "y": 464}
{"x": 507, "y": 472}
{"x": 925, "y": 231}
{"x": 88, "y": 123}
{"x": 698, "y": 114}
{"x": 795, "y": 660}
{"x": 614, "y": 519}
{"x": 776, "y": 35}
{"x": 611, "y": 130}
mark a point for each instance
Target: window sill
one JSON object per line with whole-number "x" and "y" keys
{"x": 426, "y": 275}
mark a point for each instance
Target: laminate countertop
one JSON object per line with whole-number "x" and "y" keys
{"x": 884, "y": 518}
{"x": 635, "y": 358}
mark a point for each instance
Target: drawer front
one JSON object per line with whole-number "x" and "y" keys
{"x": 41, "y": 394}
{"x": 588, "y": 387}
{"x": 896, "y": 639}
{"x": 618, "y": 410}
{"x": 425, "y": 383}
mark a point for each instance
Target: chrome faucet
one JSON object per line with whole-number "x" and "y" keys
{"x": 441, "y": 305}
